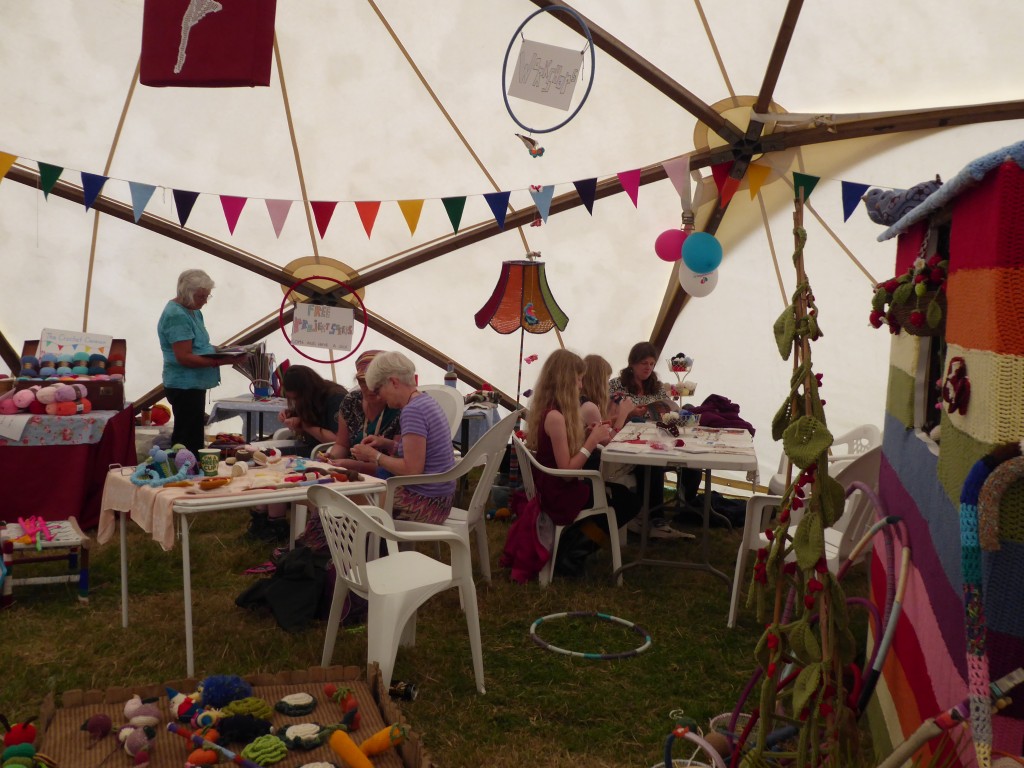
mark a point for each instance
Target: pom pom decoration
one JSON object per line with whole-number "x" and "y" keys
{"x": 669, "y": 245}
{"x": 697, "y": 284}
{"x": 160, "y": 414}
{"x": 702, "y": 252}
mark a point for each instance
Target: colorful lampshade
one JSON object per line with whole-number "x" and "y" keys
{"x": 522, "y": 300}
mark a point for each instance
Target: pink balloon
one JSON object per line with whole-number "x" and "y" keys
{"x": 669, "y": 245}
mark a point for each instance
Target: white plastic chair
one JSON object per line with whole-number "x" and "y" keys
{"x": 853, "y": 443}
{"x": 840, "y": 539}
{"x": 450, "y": 400}
{"x": 489, "y": 450}
{"x": 395, "y": 586}
{"x": 528, "y": 461}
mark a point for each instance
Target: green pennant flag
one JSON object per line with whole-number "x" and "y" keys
{"x": 48, "y": 175}
{"x": 805, "y": 182}
{"x": 454, "y": 206}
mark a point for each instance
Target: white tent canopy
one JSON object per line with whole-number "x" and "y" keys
{"x": 371, "y": 123}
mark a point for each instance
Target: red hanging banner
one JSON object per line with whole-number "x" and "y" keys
{"x": 207, "y": 43}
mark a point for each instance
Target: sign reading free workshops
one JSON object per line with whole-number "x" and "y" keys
{"x": 316, "y": 325}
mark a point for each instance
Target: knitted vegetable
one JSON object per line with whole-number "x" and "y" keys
{"x": 266, "y": 750}
{"x": 342, "y": 745}
{"x": 296, "y": 704}
{"x": 387, "y": 737}
{"x": 346, "y": 699}
{"x": 202, "y": 743}
{"x": 19, "y": 733}
{"x": 251, "y": 705}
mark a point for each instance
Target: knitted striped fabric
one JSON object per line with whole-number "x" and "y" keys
{"x": 978, "y": 677}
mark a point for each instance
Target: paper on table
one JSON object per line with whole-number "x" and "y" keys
{"x": 12, "y": 426}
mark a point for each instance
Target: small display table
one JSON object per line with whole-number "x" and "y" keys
{"x": 66, "y": 536}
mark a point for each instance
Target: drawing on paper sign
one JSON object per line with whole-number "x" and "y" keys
{"x": 197, "y": 10}
{"x": 317, "y": 325}
{"x": 546, "y": 74}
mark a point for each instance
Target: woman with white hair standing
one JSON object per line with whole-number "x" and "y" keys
{"x": 425, "y": 446}
{"x": 189, "y": 370}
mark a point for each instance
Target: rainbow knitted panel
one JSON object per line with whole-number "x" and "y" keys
{"x": 982, "y": 312}
{"x": 905, "y": 353}
{"x": 958, "y": 453}
{"x": 899, "y": 398}
{"x": 988, "y": 223}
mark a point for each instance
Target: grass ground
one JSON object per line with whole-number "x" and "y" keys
{"x": 540, "y": 709}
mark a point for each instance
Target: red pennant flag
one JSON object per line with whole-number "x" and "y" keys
{"x": 368, "y": 214}
{"x": 232, "y": 210}
{"x": 323, "y": 210}
{"x": 720, "y": 173}
{"x": 630, "y": 181}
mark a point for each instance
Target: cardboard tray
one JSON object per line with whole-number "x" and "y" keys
{"x": 103, "y": 395}
{"x": 60, "y": 736}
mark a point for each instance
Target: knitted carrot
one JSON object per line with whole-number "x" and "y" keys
{"x": 387, "y": 737}
{"x": 343, "y": 746}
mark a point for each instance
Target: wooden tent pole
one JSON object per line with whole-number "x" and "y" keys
{"x": 106, "y": 172}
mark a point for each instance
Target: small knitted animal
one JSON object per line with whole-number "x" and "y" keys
{"x": 889, "y": 206}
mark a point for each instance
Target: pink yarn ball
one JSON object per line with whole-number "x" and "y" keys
{"x": 669, "y": 245}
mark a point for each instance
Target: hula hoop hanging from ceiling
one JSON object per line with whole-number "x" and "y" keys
{"x": 591, "y": 614}
{"x": 590, "y": 84}
{"x": 281, "y": 323}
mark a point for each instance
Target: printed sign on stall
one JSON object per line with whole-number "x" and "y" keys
{"x": 316, "y": 325}
{"x": 68, "y": 342}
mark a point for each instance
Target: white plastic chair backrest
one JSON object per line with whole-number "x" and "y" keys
{"x": 346, "y": 528}
{"x": 526, "y": 462}
{"x": 453, "y": 404}
{"x": 493, "y": 444}
{"x": 857, "y": 514}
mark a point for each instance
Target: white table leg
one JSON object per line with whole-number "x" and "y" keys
{"x": 186, "y": 577}
{"x": 122, "y": 523}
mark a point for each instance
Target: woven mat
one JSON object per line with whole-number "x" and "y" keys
{"x": 63, "y": 740}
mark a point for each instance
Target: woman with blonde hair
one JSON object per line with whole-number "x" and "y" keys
{"x": 595, "y": 403}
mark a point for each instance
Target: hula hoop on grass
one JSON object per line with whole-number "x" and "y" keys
{"x": 590, "y": 84}
{"x": 591, "y": 614}
{"x": 281, "y": 323}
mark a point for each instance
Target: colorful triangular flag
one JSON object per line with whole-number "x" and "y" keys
{"x": 630, "y": 181}
{"x": 411, "y": 210}
{"x": 183, "y": 201}
{"x": 757, "y": 174}
{"x": 852, "y": 193}
{"x": 48, "y": 175}
{"x": 587, "y": 189}
{"x": 805, "y": 183}
{"x": 141, "y": 193}
{"x": 498, "y": 202}
{"x": 454, "y": 206}
{"x": 720, "y": 173}
{"x": 92, "y": 184}
{"x": 323, "y": 210}
{"x": 367, "y": 210}
{"x": 232, "y": 209}
{"x": 542, "y": 199}
{"x": 6, "y": 161}
{"x": 278, "y": 210}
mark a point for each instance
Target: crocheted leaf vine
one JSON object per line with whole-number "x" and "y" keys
{"x": 806, "y": 646}
{"x": 914, "y": 301}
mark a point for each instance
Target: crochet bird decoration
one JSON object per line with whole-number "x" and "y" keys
{"x": 886, "y": 207}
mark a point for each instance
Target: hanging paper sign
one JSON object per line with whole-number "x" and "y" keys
{"x": 68, "y": 342}
{"x": 316, "y": 325}
{"x": 546, "y": 74}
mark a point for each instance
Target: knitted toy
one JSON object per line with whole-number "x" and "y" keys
{"x": 19, "y": 733}
{"x": 296, "y": 704}
{"x": 241, "y": 729}
{"x": 160, "y": 414}
{"x": 250, "y": 705}
{"x": 181, "y": 706}
{"x": 220, "y": 690}
{"x": 346, "y": 699}
{"x": 138, "y": 735}
{"x": 98, "y": 726}
{"x": 266, "y": 750}
{"x": 342, "y": 745}
{"x": 158, "y": 470}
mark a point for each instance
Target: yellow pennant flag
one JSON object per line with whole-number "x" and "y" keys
{"x": 411, "y": 209}
{"x": 756, "y": 175}
{"x": 6, "y": 161}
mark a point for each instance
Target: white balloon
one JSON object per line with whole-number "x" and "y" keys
{"x": 697, "y": 284}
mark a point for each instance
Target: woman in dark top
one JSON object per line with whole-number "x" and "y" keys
{"x": 313, "y": 404}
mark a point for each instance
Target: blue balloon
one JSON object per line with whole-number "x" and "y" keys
{"x": 702, "y": 252}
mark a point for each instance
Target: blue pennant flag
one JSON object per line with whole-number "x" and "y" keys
{"x": 183, "y": 201}
{"x": 852, "y": 193}
{"x": 587, "y": 189}
{"x": 92, "y": 184}
{"x": 542, "y": 199}
{"x": 140, "y": 197}
{"x": 498, "y": 201}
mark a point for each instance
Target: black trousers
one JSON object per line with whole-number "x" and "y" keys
{"x": 189, "y": 408}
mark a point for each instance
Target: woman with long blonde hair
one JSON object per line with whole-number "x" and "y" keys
{"x": 595, "y": 402}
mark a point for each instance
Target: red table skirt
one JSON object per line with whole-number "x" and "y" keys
{"x": 62, "y": 481}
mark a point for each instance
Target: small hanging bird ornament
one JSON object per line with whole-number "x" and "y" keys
{"x": 536, "y": 150}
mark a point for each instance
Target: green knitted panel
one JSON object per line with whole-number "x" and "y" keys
{"x": 958, "y": 452}
{"x": 878, "y": 727}
{"x": 899, "y": 398}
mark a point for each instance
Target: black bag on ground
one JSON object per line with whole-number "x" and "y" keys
{"x": 293, "y": 592}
